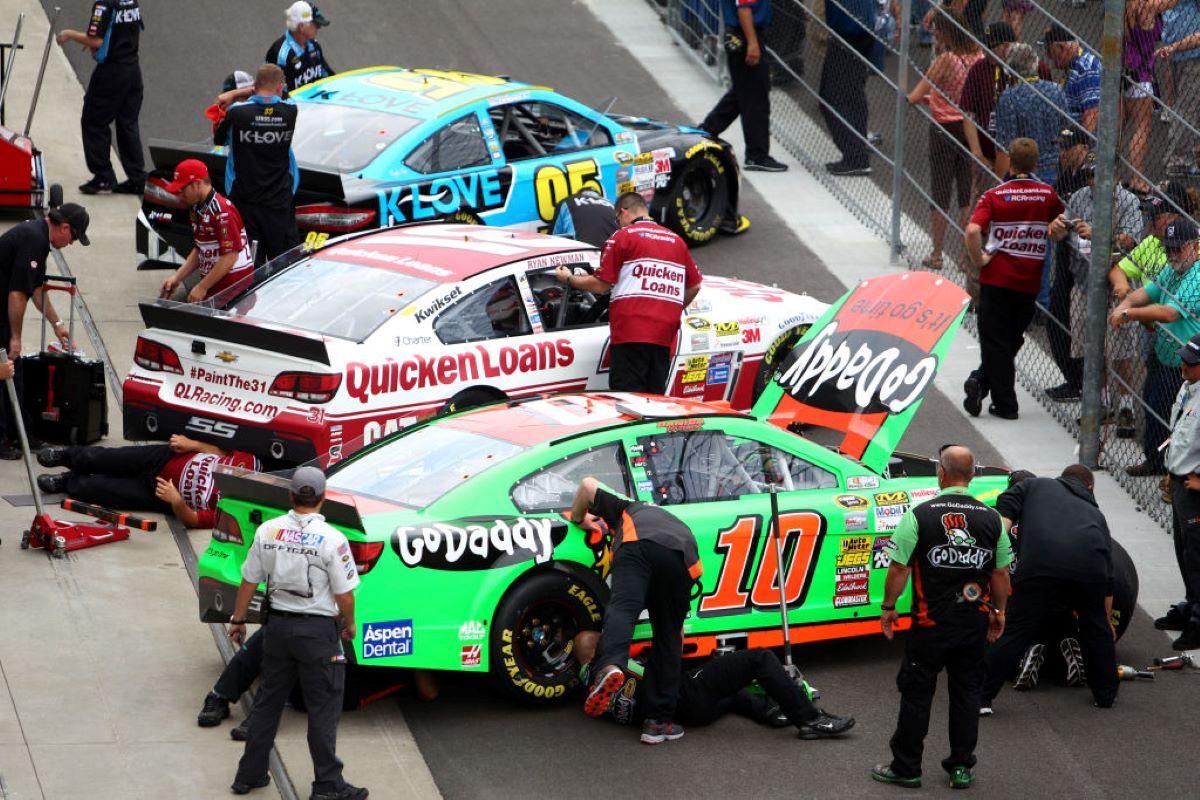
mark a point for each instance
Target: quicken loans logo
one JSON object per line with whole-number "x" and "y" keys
{"x": 478, "y": 543}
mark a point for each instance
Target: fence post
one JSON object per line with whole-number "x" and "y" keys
{"x": 1108, "y": 135}
{"x": 901, "y": 131}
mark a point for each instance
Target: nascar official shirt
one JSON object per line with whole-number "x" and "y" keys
{"x": 118, "y": 24}
{"x": 300, "y": 64}
{"x": 217, "y": 230}
{"x": 306, "y": 560}
{"x": 192, "y": 474}
{"x": 1015, "y": 217}
{"x": 650, "y": 269}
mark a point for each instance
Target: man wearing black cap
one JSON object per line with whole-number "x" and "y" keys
{"x": 23, "y": 251}
{"x": 1082, "y": 66}
{"x": 297, "y": 52}
{"x": 1183, "y": 463}
{"x": 1172, "y": 300}
{"x": 311, "y": 577}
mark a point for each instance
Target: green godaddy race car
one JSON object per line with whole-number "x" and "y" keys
{"x": 468, "y": 564}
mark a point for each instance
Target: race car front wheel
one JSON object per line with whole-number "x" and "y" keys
{"x": 699, "y": 198}
{"x": 531, "y": 646}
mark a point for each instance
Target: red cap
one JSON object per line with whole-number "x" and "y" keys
{"x": 188, "y": 171}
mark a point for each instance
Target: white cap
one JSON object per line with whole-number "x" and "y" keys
{"x": 298, "y": 13}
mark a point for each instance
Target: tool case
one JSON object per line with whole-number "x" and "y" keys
{"x": 64, "y": 392}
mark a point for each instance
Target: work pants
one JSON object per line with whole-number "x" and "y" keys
{"x": 272, "y": 227}
{"x": 1159, "y": 390}
{"x": 114, "y": 95}
{"x": 1034, "y": 601}
{"x": 117, "y": 477}
{"x": 1004, "y": 314}
{"x": 1059, "y": 307}
{"x": 646, "y": 575}
{"x": 308, "y": 650}
{"x": 749, "y": 96}
{"x": 956, "y": 644}
{"x": 639, "y": 367}
{"x": 843, "y": 91}
{"x": 720, "y": 685}
{"x": 242, "y": 670}
{"x": 1185, "y": 507}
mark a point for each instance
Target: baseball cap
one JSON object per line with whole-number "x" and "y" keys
{"x": 1179, "y": 233}
{"x": 188, "y": 171}
{"x": 308, "y": 483}
{"x": 1070, "y": 137}
{"x": 1057, "y": 33}
{"x": 238, "y": 79}
{"x": 301, "y": 12}
{"x": 999, "y": 32}
{"x": 1189, "y": 351}
{"x": 1170, "y": 198}
{"x": 74, "y": 215}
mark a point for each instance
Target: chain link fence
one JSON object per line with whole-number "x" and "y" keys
{"x": 893, "y": 123}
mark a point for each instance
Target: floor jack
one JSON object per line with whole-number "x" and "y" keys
{"x": 789, "y": 666}
{"x": 60, "y": 536}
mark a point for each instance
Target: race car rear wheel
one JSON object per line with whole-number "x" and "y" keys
{"x": 1125, "y": 589}
{"x": 470, "y": 398}
{"x": 774, "y": 356}
{"x": 532, "y": 637}
{"x": 465, "y": 217}
{"x": 699, "y": 197}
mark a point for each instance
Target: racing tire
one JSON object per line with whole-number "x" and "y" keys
{"x": 1125, "y": 589}
{"x": 699, "y": 197}
{"x": 464, "y": 217}
{"x": 773, "y": 357}
{"x": 472, "y": 398}
{"x": 532, "y": 633}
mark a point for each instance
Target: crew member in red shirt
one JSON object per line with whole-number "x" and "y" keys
{"x": 222, "y": 250}
{"x": 652, "y": 278}
{"x": 175, "y": 477}
{"x": 1016, "y": 216}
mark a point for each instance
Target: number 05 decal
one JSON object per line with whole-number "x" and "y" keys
{"x": 743, "y": 585}
{"x": 552, "y": 184}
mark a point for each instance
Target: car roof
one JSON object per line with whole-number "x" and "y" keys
{"x": 533, "y": 422}
{"x": 417, "y": 93}
{"x": 446, "y": 252}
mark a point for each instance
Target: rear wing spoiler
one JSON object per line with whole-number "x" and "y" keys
{"x": 196, "y": 323}
{"x": 165, "y": 154}
{"x": 268, "y": 490}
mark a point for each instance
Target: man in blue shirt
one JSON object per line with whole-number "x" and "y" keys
{"x": 843, "y": 89}
{"x": 1082, "y": 86}
{"x": 297, "y": 52}
{"x": 1032, "y": 109}
{"x": 749, "y": 96}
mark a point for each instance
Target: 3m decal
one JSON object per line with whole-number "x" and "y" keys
{"x": 478, "y": 543}
{"x": 746, "y": 582}
{"x": 552, "y": 184}
{"x": 851, "y": 501}
{"x": 387, "y": 639}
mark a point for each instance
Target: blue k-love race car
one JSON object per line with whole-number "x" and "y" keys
{"x": 385, "y": 146}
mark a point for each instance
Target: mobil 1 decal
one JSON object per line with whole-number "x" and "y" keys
{"x": 477, "y": 543}
{"x": 749, "y": 574}
{"x": 864, "y": 367}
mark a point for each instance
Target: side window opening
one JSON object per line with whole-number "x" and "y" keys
{"x": 493, "y": 311}
{"x": 553, "y": 488}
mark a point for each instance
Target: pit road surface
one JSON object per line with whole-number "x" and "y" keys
{"x": 480, "y": 746}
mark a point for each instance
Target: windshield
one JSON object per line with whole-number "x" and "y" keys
{"x": 417, "y": 469}
{"x": 330, "y": 297}
{"x": 344, "y": 139}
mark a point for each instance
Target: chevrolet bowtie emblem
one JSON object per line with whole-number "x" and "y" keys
{"x": 227, "y": 356}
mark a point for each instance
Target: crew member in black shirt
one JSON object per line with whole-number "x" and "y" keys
{"x": 297, "y": 52}
{"x": 260, "y": 169}
{"x": 114, "y": 94}
{"x": 1066, "y": 560}
{"x": 586, "y": 216}
{"x": 23, "y": 251}
{"x": 655, "y": 563}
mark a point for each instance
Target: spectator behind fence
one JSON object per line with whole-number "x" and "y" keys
{"x": 1082, "y": 68}
{"x": 981, "y": 91}
{"x": 1172, "y": 300}
{"x": 949, "y": 162}
{"x": 1030, "y": 109}
{"x": 843, "y": 90}
{"x": 1181, "y": 40}
{"x": 1144, "y": 262}
{"x": 1143, "y": 27}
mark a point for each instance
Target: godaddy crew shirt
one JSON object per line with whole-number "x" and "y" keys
{"x": 1015, "y": 218}
{"x": 633, "y": 521}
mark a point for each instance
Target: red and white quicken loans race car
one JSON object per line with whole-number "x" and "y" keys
{"x": 374, "y": 331}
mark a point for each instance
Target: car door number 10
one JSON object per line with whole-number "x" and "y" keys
{"x": 743, "y": 584}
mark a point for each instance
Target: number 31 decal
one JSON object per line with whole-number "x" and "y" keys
{"x": 743, "y": 585}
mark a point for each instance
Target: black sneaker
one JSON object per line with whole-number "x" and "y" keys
{"x": 773, "y": 717}
{"x": 347, "y": 792}
{"x": 659, "y": 732}
{"x": 1063, "y": 393}
{"x": 973, "y": 402}
{"x": 216, "y": 708}
{"x": 825, "y": 726}
{"x": 130, "y": 187}
{"x": 96, "y": 186}
{"x": 1125, "y": 424}
{"x": 1176, "y": 619}
{"x": 884, "y": 774}
{"x": 764, "y": 164}
{"x": 843, "y": 168}
{"x": 995, "y": 412}
{"x": 10, "y": 452}
{"x": 237, "y": 787}
{"x": 52, "y": 456}
{"x": 241, "y": 732}
{"x": 1029, "y": 668}
{"x": 56, "y": 483}
{"x": 1073, "y": 659}
{"x": 1189, "y": 639}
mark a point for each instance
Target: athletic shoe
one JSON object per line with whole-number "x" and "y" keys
{"x": 986, "y": 711}
{"x": 884, "y": 774}
{"x": 764, "y": 164}
{"x": 961, "y": 777}
{"x": 773, "y": 717}
{"x": 1073, "y": 658}
{"x": 844, "y": 169}
{"x": 347, "y": 792}
{"x": 53, "y": 483}
{"x": 241, "y": 732}
{"x": 1063, "y": 393}
{"x": 995, "y": 412}
{"x": 1189, "y": 639}
{"x": 1029, "y": 668}
{"x": 130, "y": 187}
{"x": 96, "y": 186}
{"x": 216, "y": 708}
{"x": 1145, "y": 470}
{"x": 52, "y": 456}
{"x": 607, "y": 683}
{"x": 973, "y": 402}
{"x": 10, "y": 452}
{"x": 237, "y": 787}
{"x": 1125, "y": 425}
{"x": 824, "y": 726}
{"x": 1176, "y": 619}
{"x": 659, "y": 732}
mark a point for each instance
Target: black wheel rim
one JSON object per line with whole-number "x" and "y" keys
{"x": 697, "y": 191}
{"x": 542, "y": 637}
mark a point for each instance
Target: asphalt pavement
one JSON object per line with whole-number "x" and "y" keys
{"x": 477, "y": 745}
